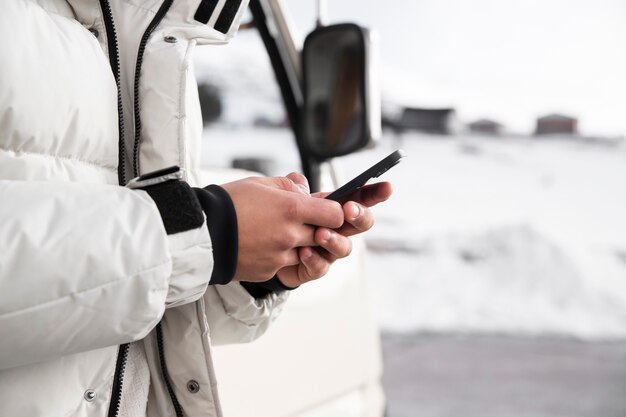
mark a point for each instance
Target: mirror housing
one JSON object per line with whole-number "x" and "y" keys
{"x": 341, "y": 110}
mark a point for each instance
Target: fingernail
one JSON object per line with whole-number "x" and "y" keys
{"x": 325, "y": 235}
{"x": 306, "y": 253}
{"x": 356, "y": 211}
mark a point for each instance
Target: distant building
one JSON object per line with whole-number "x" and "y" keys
{"x": 264, "y": 121}
{"x": 556, "y": 124}
{"x": 441, "y": 121}
{"x": 485, "y": 127}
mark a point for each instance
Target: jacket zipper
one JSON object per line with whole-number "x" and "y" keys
{"x": 166, "y": 377}
{"x": 142, "y": 47}
{"x": 118, "y": 380}
{"x": 114, "y": 60}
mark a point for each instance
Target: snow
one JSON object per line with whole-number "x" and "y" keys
{"x": 486, "y": 235}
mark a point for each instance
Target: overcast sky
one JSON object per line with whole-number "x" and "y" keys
{"x": 510, "y": 60}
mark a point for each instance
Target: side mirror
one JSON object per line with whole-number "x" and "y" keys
{"x": 341, "y": 111}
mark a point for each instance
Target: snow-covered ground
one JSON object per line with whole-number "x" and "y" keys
{"x": 507, "y": 235}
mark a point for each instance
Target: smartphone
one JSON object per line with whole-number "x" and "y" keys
{"x": 343, "y": 193}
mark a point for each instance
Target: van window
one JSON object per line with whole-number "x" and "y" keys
{"x": 245, "y": 121}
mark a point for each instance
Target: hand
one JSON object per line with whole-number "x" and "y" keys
{"x": 334, "y": 244}
{"x": 274, "y": 218}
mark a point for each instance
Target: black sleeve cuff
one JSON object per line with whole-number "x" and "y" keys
{"x": 262, "y": 289}
{"x": 222, "y": 223}
{"x": 178, "y": 206}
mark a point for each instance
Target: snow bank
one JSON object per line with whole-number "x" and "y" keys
{"x": 505, "y": 280}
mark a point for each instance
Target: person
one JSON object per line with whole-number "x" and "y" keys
{"x": 117, "y": 274}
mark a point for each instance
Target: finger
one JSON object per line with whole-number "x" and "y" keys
{"x": 336, "y": 245}
{"x": 291, "y": 257}
{"x": 358, "y": 216}
{"x": 368, "y": 195}
{"x": 316, "y": 211}
{"x": 356, "y": 223}
{"x": 321, "y": 194}
{"x": 281, "y": 183}
{"x": 303, "y": 235}
{"x": 282, "y": 262}
{"x": 302, "y": 208}
{"x": 372, "y": 194}
{"x": 315, "y": 265}
{"x": 300, "y": 181}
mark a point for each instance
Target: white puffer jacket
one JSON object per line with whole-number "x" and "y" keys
{"x": 86, "y": 265}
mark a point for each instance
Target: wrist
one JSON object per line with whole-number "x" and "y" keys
{"x": 183, "y": 208}
{"x": 177, "y": 203}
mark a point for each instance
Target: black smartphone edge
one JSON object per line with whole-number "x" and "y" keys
{"x": 342, "y": 193}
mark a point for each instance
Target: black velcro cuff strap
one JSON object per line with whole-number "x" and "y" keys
{"x": 178, "y": 206}
{"x": 222, "y": 223}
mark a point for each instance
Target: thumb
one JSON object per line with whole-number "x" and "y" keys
{"x": 283, "y": 183}
{"x": 301, "y": 182}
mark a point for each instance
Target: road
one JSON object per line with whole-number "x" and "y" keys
{"x": 448, "y": 376}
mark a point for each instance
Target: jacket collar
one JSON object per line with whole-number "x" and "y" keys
{"x": 206, "y": 21}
